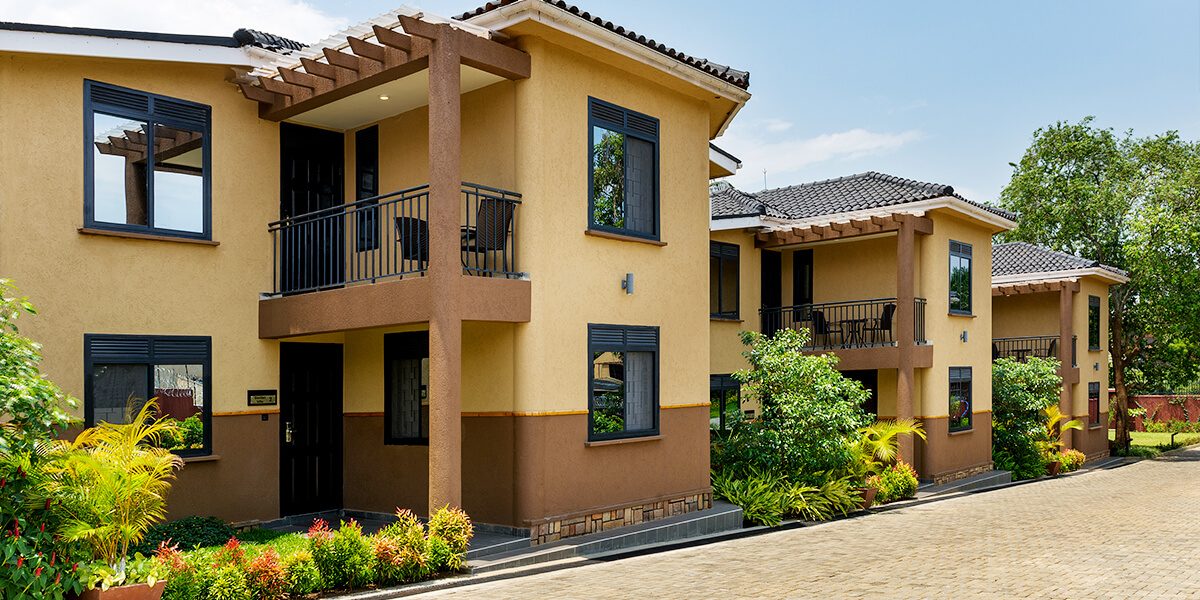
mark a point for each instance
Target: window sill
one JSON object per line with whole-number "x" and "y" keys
{"x": 962, "y": 432}
{"x": 962, "y": 314}
{"x": 1096, "y": 426}
{"x": 146, "y": 236}
{"x": 201, "y": 459}
{"x": 726, "y": 319}
{"x": 622, "y": 237}
{"x": 616, "y": 442}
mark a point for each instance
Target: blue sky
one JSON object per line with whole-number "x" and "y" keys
{"x": 938, "y": 91}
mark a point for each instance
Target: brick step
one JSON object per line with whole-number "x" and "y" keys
{"x": 974, "y": 482}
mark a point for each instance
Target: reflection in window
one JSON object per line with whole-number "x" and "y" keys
{"x": 1093, "y": 323}
{"x": 608, "y": 178}
{"x": 960, "y": 277}
{"x": 624, "y": 170}
{"x": 623, "y": 381}
{"x": 147, "y": 164}
{"x": 723, "y": 280}
{"x": 960, "y": 398}
{"x": 724, "y": 393}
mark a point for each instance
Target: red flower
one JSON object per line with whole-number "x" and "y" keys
{"x": 52, "y": 557}
{"x": 3, "y": 481}
{"x": 58, "y": 578}
{"x": 37, "y": 572}
{"x": 20, "y": 561}
{"x": 47, "y": 504}
{"x": 42, "y": 528}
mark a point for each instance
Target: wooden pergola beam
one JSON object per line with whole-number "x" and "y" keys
{"x": 844, "y": 230}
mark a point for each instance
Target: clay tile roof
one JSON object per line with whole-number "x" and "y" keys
{"x": 852, "y": 193}
{"x": 268, "y": 41}
{"x": 728, "y": 74}
{"x": 1017, "y": 258}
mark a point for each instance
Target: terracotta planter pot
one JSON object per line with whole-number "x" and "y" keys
{"x": 138, "y": 591}
{"x": 868, "y": 495}
{"x": 1053, "y": 468}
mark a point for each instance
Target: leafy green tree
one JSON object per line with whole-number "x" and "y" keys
{"x": 608, "y": 179}
{"x": 1021, "y": 392}
{"x": 807, "y": 412}
{"x": 1127, "y": 202}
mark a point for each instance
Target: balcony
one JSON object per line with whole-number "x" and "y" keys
{"x": 1022, "y": 347}
{"x": 387, "y": 236}
{"x": 861, "y": 332}
{"x": 366, "y": 263}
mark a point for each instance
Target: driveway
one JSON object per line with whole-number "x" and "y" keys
{"x": 1121, "y": 533}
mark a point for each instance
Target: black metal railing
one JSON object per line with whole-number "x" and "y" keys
{"x": 852, "y": 324}
{"x": 387, "y": 236}
{"x": 1022, "y": 347}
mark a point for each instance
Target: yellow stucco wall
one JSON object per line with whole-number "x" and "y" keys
{"x": 1025, "y": 315}
{"x": 943, "y": 329}
{"x": 725, "y": 345}
{"x": 1093, "y": 365}
{"x": 575, "y": 277}
{"x": 93, "y": 284}
{"x": 851, "y": 270}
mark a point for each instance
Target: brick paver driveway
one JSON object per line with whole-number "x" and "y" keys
{"x": 1130, "y": 532}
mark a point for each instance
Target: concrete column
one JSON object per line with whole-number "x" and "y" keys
{"x": 905, "y": 296}
{"x": 445, "y": 273}
{"x": 1066, "y": 330}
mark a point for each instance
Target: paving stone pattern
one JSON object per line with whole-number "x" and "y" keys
{"x": 1128, "y": 532}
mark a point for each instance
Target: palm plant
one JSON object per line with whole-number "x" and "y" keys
{"x": 1055, "y": 425}
{"x": 110, "y": 484}
{"x": 877, "y": 445}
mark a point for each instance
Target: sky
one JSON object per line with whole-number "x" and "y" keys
{"x": 946, "y": 92}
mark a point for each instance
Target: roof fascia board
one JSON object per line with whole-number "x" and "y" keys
{"x": 106, "y": 47}
{"x": 918, "y": 208}
{"x": 1104, "y": 274}
{"x": 540, "y": 12}
{"x": 723, "y": 160}
{"x": 739, "y": 223}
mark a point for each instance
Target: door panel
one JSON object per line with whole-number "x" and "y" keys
{"x": 771, "y": 286}
{"x": 310, "y": 405}
{"x": 311, "y": 175}
{"x": 802, "y": 277}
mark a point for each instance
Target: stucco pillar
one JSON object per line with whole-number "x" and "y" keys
{"x": 1066, "y": 330}
{"x": 905, "y": 296}
{"x": 445, "y": 273}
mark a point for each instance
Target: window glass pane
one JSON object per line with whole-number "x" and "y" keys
{"x": 119, "y": 170}
{"x": 608, "y": 178}
{"x": 608, "y": 392}
{"x": 180, "y": 393}
{"x": 639, "y": 188}
{"x": 960, "y": 283}
{"x": 178, "y": 179}
{"x": 639, "y": 391}
{"x": 409, "y": 403}
{"x": 960, "y": 399}
{"x": 118, "y": 392}
{"x": 714, "y": 285}
{"x": 729, "y": 284}
{"x": 1093, "y": 322}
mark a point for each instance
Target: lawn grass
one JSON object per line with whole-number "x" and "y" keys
{"x": 1158, "y": 440}
{"x": 257, "y": 540}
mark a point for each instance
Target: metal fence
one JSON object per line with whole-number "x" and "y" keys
{"x": 1021, "y": 348}
{"x": 852, "y": 324}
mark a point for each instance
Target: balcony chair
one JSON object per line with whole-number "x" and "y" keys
{"x": 412, "y": 236}
{"x": 881, "y": 327}
{"x": 1052, "y": 349}
{"x": 493, "y": 223}
{"x": 995, "y": 351}
{"x": 822, "y": 327}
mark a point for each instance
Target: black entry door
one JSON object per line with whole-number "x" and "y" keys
{"x": 310, "y": 405}
{"x": 311, "y": 163}
{"x": 870, "y": 380}
{"x": 771, "y": 288}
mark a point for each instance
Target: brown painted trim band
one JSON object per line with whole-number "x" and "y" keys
{"x": 243, "y": 413}
{"x": 974, "y": 412}
{"x": 696, "y": 405}
{"x": 362, "y": 414}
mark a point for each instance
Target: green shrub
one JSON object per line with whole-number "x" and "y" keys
{"x": 454, "y": 526}
{"x": 1071, "y": 460}
{"x": 192, "y": 432}
{"x": 229, "y": 583}
{"x": 187, "y": 533}
{"x": 760, "y": 496}
{"x": 439, "y": 556}
{"x": 897, "y": 482}
{"x": 343, "y": 557}
{"x": 808, "y": 409}
{"x": 266, "y": 577}
{"x": 804, "y": 501}
{"x": 302, "y": 574}
{"x": 1021, "y": 392}
{"x": 1155, "y": 426}
{"x": 399, "y": 560}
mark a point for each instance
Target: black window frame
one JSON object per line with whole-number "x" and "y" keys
{"x": 963, "y": 375}
{"x": 726, "y": 385}
{"x": 961, "y": 250}
{"x": 596, "y": 110}
{"x": 1093, "y": 394}
{"x": 725, "y": 253}
{"x": 1094, "y": 323}
{"x": 640, "y": 342}
{"x": 152, "y": 116}
{"x": 150, "y": 350}
{"x": 411, "y": 345}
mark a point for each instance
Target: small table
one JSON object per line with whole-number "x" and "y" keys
{"x": 852, "y": 329}
{"x": 1021, "y": 353}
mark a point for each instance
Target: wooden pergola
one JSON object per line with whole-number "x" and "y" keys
{"x": 841, "y": 230}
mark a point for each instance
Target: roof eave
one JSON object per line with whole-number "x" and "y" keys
{"x": 1112, "y": 277}
{"x": 919, "y": 208}
{"x": 100, "y": 46}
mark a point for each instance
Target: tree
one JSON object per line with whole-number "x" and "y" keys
{"x": 1021, "y": 392}
{"x": 608, "y": 179}
{"x": 1126, "y": 202}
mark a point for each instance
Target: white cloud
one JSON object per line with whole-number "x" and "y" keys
{"x": 759, "y": 150}
{"x": 295, "y": 19}
{"x": 777, "y": 125}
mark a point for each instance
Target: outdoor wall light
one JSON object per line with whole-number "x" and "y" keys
{"x": 1095, "y": 366}
{"x": 383, "y": 96}
{"x": 963, "y": 336}
{"x": 627, "y": 284}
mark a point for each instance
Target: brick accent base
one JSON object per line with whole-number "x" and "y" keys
{"x": 557, "y": 528}
{"x": 956, "y": 475}
{"x": 1098, "y": 455}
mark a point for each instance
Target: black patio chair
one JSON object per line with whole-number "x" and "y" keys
{"x": 822, "y": 327}
{"x": 995, "y": 351}
{"x": 1052, "y": 349}
{"x": 493, "y": 223}
{"x": 412, "y": 235}
{"x": 881, "y": 327}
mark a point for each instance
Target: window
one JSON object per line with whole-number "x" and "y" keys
{"x": 960, "y": 278}
{"x": 723, "y": 280}
{"x": 122, "y": 371}
{"x": 1094, "y": 403}
{"x": 128, "y": 188}
{"x": 725, "y": 398}
{"x": 622, "y": 381}
{"x": 623, "y": 184}
{"x": 406, "y": 388}
{"x": 1094, "y": 323}
{"x": 366, "y": 173}
{"x": 960, "y": 398}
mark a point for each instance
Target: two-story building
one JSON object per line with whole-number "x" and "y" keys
{"x": 889, "y": 274}
{"x": 1048, "y": 304}
{"x": 422, "y": 262}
